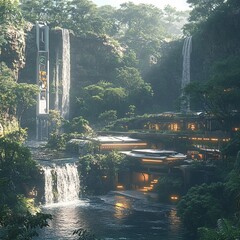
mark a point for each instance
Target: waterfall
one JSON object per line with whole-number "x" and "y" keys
{"x": 186, "y": 52}
{"x": 62, "y": 184}
{"x": 62, "y": 75}
{"x": 56, "y": 104}
{"x": 48, "y": 185}
{"x": 65, "y": 73}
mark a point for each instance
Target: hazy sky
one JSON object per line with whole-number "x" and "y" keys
{"x": 179, "y": 4}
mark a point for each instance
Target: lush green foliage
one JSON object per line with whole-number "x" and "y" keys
{"x": 225, "y": 231}
{"x": 10, "y": 17}
{"x": 18, "y": 176}
{"x": 203, "y": 206}
{"x": 108, "y": 116}
{"x": 77, "y": 125}
{"x": 74, "y": 128}
{"x": 132, "y": 34}
{"x": 83, "y": 234}
{"x": 57, "y": 141}
{"x": 99, "y": 171}
{"x": 220, "y": 95}
{"x": 231, "y": 149}
{"x": 10, "y": 13}
{"x": 15, "y": 97}
{"x": 102, "y": 97}
{"x": 167, "y": 186}
{"x": 21, "y": 225}
{"x": 17, "y": 165}
{"x": 200, "y": 13}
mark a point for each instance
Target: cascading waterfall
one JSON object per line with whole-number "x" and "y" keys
{"x": 62, "y": 184}
{"x": 62, "y": 75}
{"x": 186, "y": 52}
{"x": 56, "y": 104}
{"x": 49, "y": 198}
{"x": 65, "y": 73}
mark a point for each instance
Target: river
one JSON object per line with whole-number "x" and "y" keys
{"x": 117, "y": 215}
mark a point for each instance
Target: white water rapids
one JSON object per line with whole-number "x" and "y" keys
{"x": 62, "y": 75}
{"x": 186, "y": 52}
{"x": 62, "y": 184}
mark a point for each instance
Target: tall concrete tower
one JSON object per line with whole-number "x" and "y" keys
{"x": 42, "y": 79}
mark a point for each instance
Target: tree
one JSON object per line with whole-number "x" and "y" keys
{"x": 18, "y": 176}
{"x": 203, "y": 205}
{"x": 168, "y": 186}
{"x": 101, "y": 97}
{"x": 201, "y": 12}
{"x": 139, "y": 93}
{"x": 99, "y": 171}
{"x": 141, "y": 29}
{"x": 7, "y": 98}
{"x": 80, "y": 125}
{"x": 108, "y": 116}
{"x": 107, "y": 17}
{"x": 10, "y": 14}
{"x": 173, "y": 20}
{"x": 55, "y": 121}
{"x": 15, "y": 98}
{"x": 220, "y": 95}
{"x": 131, "y": 111}
{"x": 10, "y": 18}
{"x": 79, "y": 16}
{"x": 202, "y": 9}
{"x": 17, "y": 166}
{"x": 225, "y": 231}
{"x": 26, "y": 95}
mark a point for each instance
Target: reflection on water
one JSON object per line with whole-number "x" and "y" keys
{"x": 122, "y": 207}
{"x": 174, "y": 221}
{"x": 114, "y": 217}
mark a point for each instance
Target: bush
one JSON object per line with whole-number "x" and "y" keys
{"x": 168, "y": 186}
{"x": 98, "y": 172}
{"x": 57, "y": 141}
{"x": 203, "y": 205}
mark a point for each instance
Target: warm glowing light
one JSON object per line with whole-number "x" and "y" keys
{"x": 210, "y": 139}
{"x": 147, "y": 188}
{"x": 174, "y": 127}
{"x": 141, "y": 177}
{"x": 206, "y": 139}
{"x": 226, "y": 139}
{"x": 121, "y": 145}
{"x": 121, "y": 203}
{"x": 120, "y": 187}
{"x": 174, "y": 197}
{"x": 118, "y": 204}
{"x": 151, "y": 160}
{"x": 104, "y": 176}
{"x": 192, "y": 126}
{"x": 125, "y": 144}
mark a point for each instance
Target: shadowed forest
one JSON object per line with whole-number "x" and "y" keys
{"x": 126, "y": 66}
